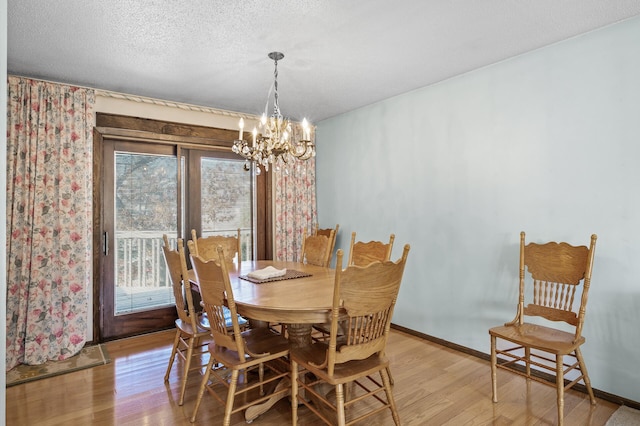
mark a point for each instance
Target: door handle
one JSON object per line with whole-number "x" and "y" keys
{"x": 105, "y": 244}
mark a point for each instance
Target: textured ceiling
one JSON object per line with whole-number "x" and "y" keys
{"x": 339, "y": 54}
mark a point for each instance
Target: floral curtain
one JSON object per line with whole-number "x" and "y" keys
{"x": 295, "y": 205}
{"x": 49, "y": 165}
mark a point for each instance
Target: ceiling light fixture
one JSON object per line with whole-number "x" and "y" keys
{"x": 272, "y": 142}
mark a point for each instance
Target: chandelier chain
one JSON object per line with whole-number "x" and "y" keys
{"x": 276, "y": 106}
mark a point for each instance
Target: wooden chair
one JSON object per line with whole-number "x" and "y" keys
{"x": 190, "y": 327}
{"x": 316, "y": 249}
{"x": 205, "y": 247}
{"x": 234, "y": 349}
{"x": 363, "y": 300}
{"x": 327, "y": 232}
{"x": 551, "y": 292}
{"x": 361, "y": 253}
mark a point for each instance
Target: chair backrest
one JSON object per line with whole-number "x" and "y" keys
{"x": 362, "y": 254}
{"x": 550, "y": 285}
{"x": 327, "y": 232}
{"x": 177, "y": 266}
{"x": 205, "y": 247}
{"x": 316, "y": 249}
{"x": 363, "y": 302}
{"x": 217, "y": 295}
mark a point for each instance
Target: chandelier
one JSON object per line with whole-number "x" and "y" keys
{"x": 272, "y": 141}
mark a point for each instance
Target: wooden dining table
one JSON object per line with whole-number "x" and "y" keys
{"x": 296, "y": 302}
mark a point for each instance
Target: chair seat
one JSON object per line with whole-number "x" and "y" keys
{"x": 344, "y": 372}
{"x": 259, "y": 340}
{"x": 185, "y": 327}
{"x": 540, "y": 337}
{"x": 242, "y": 322}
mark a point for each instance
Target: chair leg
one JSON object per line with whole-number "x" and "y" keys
{"x": 176, "y": 341}
{"x": 560, "y": 387}
{"x": 187, "y": 366}
{"x": 386, "y": 381}
{"x": 389, "y": 373}
{"x": 230, "y": 396}
{"x": 340, "y": 405}
{"x": 203, "y": 386}
{"x": 294, "y": 393}
{"x": 527, "y": 355}
{"x": 585, "y": 375}
{"x": 494, "y": 377}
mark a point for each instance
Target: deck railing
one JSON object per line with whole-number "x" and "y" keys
{"x": 142, "y": 278}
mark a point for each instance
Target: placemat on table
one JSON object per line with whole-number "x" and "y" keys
{"x": 290, "y": 274}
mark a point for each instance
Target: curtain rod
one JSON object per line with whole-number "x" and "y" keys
{"x": 147, "y": 100}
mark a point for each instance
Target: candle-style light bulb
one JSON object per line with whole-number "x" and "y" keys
{"x": 255, "y": 133}
{"x": 305, "y": 130}
{"x": 241, "y": 125}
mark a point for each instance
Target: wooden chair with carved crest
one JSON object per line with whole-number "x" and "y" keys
{"x": 192, "y": 327}
{"x": 553, "y": 288}
{"x": 316, "y": 249}
{"x": 206, "y": 247}
{"x": 354, "y": 356}
{"x": 361, "y": 254}
{"x": 332, "y": 237}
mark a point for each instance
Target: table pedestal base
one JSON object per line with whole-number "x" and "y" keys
{"x": 299, "y": 335}
{"x": 255, "y": 411}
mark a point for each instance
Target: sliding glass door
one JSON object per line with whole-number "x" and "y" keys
{"x": 225, "y": 198}
{"x": 145, "y": 196}
{"x": 145, "y": 208}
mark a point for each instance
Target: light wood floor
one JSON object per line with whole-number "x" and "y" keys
{"x": 434, "y": 385}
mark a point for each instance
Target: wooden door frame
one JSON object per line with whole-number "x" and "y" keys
{"x": 119, "y": 127}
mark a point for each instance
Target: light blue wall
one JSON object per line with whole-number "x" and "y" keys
{"x": 547, "y": 143}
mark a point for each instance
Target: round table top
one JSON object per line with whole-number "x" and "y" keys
{"x": 304, "y": 300}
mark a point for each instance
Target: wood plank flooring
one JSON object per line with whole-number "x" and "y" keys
{"x": 434, "y": 385}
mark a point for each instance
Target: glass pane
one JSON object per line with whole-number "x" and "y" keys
{"x": 145, "y": 209}
{"x": 226, "y": 201}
